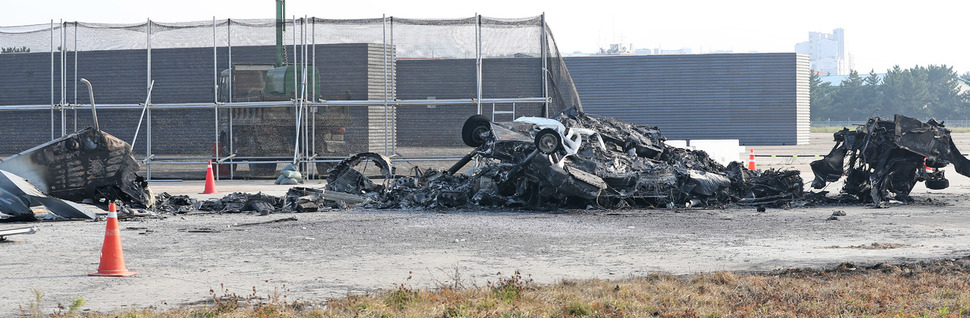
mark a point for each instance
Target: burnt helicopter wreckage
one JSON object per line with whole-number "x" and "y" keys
{"x": 87, "y": 166}
{"x": 886, "y": 158}
{"x": 575, "y": 160}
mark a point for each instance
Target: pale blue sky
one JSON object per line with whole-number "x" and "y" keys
{"x": 879, "y": 34}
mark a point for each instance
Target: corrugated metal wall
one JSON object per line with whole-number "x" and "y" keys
{"x": 181, "y": 76}
{"x": 381, "y": 120}
{"x": 802, "y": 92}
{"x": 453, "y": 79}
{"x": 758, "y": 98}
{"x": 761, "y": 99}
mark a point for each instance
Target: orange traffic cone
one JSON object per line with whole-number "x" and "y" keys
{"x": 112, "y": 257}
{"x": 751, "y": 160}
{"x": 210, "y": 182}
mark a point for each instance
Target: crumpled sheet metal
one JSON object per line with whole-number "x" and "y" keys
{"x": 86, "y": 165}
{"x": 631, "y": 168}
{"x": 886, "y": 159}
{"x": 297, "y": 199}
{"x": 17, "y": 196}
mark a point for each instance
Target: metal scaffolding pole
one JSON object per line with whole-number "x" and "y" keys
{"x": 313, "y": 114}
{"x": 544, "y": 44}
{"x": 63, "y": 49}
{"x": 384, "y": 44}
{"x": 313, "y": 43}
{"x": 228, "y": 99}
{"x": 229, "y": 48}
{"x": 304, "y": 106}
{"x": 393, "y": 85}
{"x": 52, "y": 79}
{"x": 215, "y": 65}
{"x": 478, "y": 60}
{"x": 232, "y": 172}
{"x": 74, "y": 106}
{"x": 148, "y": 103}
{"x": 296, "y": 103}
{"x": 215, "y": 81}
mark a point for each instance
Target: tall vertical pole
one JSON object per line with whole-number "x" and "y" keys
{"x": 148, "y": 104}
{"x": 303, "y": 94}
{"x": 148, "y": 65}
{"x": 393, "y": 85}
{"x": 384, "y": 44}
{"x": 52, "y": 79}
{"x": 296, "y": 105}
{"x": 215, "y": 64}
{"x": 74, "y": 106}
{"x": 544, "y": 45}
{"x": 63, "y": 79}
{"x": 313, "y": 43}
{"x": 215, "y": 81}
{"x": 313, "y": 114}
{"x": 478, "y": 60}
{"x": 280, "y": 26}
{"x": 296, "y": 55}
{"x": 229, "y": 48}
{"x": 228, "y": 97}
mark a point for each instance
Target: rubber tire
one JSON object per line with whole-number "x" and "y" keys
{"x": 548, "y": 141}
{"x": 937, "y": 184}
{"x": 472, "y": 130}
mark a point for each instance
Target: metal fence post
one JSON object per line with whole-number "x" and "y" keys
{"x": 384, "y": 44}
{"x": 544, "y": 46}
{"x": 313, "y": 114}
{"x": 52, "y": 79}
{"x": 478, "y": 60}
{"x": 74, "y": 106}
{"x": 63, "y": 101}
{"x": 148, "y": 102}
{"x": 215, "y": 81}
{"x": 394, "y": 86}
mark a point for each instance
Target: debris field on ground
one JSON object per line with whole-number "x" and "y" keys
{"x": 575, "y": 160}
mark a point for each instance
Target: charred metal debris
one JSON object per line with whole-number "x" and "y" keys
{"x": 886, "y": 158}
{"x": 88, "y": 166}
{"x": 297, "y": 199}
{"x": 573, "y": 161}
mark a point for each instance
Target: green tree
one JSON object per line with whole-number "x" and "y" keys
{"x": 820, "y": 97}
{"x": 849, "y": 98}
{"x": 15, "y": 50}
{"x": 944, "y": 88}
{"x": 907, "y": 92}
{"x": 871, "y": 91}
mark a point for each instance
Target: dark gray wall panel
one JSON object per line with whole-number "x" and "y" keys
{"x": 455, "y": 79}
{"x": 751, "y": 97}
{"x": 761, "y": 99}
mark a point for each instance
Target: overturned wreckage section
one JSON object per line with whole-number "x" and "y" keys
{"x": 88, "y": 165}
{"x": 574, "y": 160}
{"x": 886, "y": 159}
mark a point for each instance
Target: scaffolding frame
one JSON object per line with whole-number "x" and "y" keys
{"x": 306, "y": 108}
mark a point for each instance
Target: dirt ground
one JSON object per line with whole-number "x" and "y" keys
{"x": 330, "y": 254}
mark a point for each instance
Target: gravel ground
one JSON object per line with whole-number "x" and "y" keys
{"x": 330, "y": 254}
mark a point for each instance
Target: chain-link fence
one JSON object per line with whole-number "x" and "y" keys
{"x": 221, "y": 90}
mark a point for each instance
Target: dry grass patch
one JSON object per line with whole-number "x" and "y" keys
{"x": 924, "y": 289}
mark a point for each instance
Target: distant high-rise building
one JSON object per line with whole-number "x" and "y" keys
{"x": 656, "y": 51}
{"x": 826, "y": 52}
